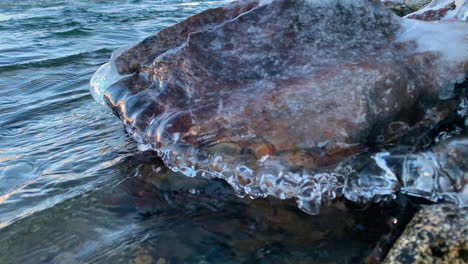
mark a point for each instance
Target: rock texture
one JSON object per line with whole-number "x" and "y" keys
{"x": 416, "y": 4}
{"x": 398, "y": 7}
{"x": 404, "y": 7}
{"x": 437, "y": 234}
{"x": 272, "y": 95}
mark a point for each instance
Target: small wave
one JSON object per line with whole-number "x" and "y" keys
{"x": 50, "y": 105}
{"x": 73, "y": 32}
{"x": 54, "y": 62}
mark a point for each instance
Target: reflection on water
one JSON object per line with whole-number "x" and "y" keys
{"x": 74, "y": 188}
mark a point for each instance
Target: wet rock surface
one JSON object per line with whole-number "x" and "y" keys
{"x": 272, "y": 95}
{"x": 437, "y": 234}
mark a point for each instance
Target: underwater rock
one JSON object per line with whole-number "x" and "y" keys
{"x": 272, "y": 96}
{"x": 437, "y": 234}
{"x": 252, "y": 231}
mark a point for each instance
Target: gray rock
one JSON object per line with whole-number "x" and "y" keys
{"x": 416, "y": 4}
{"x": 398, "y": 7}
{"x": 404, "y": 7}
{"x": 437, "y": 234}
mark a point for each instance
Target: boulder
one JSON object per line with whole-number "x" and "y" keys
{"x": 272, "y": 96}
{"x": 437, "y": 234}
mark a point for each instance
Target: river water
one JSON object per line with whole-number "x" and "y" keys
{"x": 75, "y": 189}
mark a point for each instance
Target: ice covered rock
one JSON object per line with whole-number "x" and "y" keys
{"x": 442, "y": 10}
{"x": 272, "y": 95}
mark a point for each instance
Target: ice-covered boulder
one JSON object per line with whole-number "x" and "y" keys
{"x": 442, "y": 10}
{"x": 272, "y": 96}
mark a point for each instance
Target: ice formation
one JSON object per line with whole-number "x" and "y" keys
{"x": 442, "y": 10}
{"x": 287, "y": 98}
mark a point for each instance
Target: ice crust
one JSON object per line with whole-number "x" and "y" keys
{"x": 135, "y": 87}
{"x": 460, "y": 12}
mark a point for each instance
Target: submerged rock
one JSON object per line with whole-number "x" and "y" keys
{"x": 437, "y": 234}
{"x": 272, "y": 96}
{"x": 203, "y": 212}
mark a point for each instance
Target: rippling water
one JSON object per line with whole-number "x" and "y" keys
{"x": 74, "y": 188}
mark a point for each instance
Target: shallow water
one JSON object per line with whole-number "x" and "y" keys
{"x": 75, "y": 189}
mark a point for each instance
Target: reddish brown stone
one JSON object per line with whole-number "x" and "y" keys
{"x": 315, "y": 81}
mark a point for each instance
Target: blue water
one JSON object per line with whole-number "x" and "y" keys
{"x": 75, "y": 189}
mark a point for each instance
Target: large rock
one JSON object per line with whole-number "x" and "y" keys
{"x": 437, "y": 234}
{"x": 272, "y": 95}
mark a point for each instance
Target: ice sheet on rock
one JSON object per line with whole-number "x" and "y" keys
{"x": 374, "y": 182}
{"x": 440, "y": 173}
{"x": 272, "y": 95}
{"x": 442, "y": 10}
{"x": 404, "y": 7}
{"x": 433, "y": 38}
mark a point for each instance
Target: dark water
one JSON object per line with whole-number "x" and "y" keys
{"x": 74, "y": 188}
